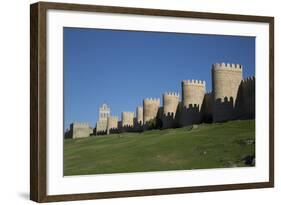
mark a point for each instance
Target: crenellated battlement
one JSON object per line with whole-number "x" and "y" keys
{"x": 227, "y": 66}
{"x": 113, "y": 118}
{"x": 169, "y": 114}
{"x": 152, "y": 100}
{"x": 172, "y": 94}
{"x": 128, "y": 114}
{"x": 127, "y": 126}
{"x": 249, "y": 79}
{"x": 194, "y": 82}
{"x": 81, "y": 124}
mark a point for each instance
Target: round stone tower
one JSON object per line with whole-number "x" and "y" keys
{"x": 127, "y": 122}
{"x": 170, "y": 105}
{"x": 112, "y": 124}
{"x": 127, "y": 119}
{"x": 170, "y": 102}
{"x": 80, "y": 130}
{"x": 193, "y": 92}
{"x": 139, "y": 115}
{"x": 150, "y": 108}
{"x": 226, "y": 79}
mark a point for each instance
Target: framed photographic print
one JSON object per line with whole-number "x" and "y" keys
{"x": 135, "y": 102}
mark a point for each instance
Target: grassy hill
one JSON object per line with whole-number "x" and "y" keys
{"x": 229, "y": 144}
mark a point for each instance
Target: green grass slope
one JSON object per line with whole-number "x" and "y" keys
{"x": 208, "y": 146}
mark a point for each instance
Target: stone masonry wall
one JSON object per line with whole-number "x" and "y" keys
{"x": 231, "y": 98}
{"x": 112, "y": 124}
{"x": 245, "y": 102}
{"x": 150, "y": 109}
{"x": 80, "y": 130}
{"x": 226, "y": 79}
{"x": 193, "y": 92}
{"x": 170, "y": 105}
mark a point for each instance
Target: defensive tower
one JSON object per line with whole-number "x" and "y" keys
{"x": 112, "y": 124}
{"x": 226, "y": 79}
{"x": 139, "y": 113}
{"x": 150, "y": 109}
{"x": 127, "y": 121}
{"x": 80, "y": 130}
{"x": 193, "y": 92}
{"x": 170, "y": 105}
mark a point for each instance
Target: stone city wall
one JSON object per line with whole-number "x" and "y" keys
{"x": 245, "y": 102}
{"x": 231, "y": 98}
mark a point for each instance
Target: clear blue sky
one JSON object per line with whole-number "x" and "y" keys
{"x": 123, "y": 67}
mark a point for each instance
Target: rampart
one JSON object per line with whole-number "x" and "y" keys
{"x": 245, "y": 102}
{"x": 232, "y": 97}
{"x": 207, "y": 108}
